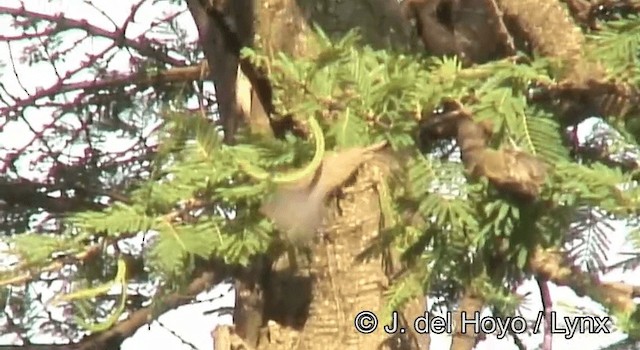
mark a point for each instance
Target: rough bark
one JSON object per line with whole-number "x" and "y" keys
{"x": 585, "y": 88}
{"x": 314, "y": 306}
{"x": 342, "y": 286}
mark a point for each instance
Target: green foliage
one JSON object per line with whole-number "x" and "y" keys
{"x": 537, "y": 129}
{"x": 361, "y": 96}
{"x": 616, "y": 46}
{"x": 117, "y": 220}
{"x": 38, "y": 249}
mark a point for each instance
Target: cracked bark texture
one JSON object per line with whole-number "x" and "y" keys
{"x": 313, "y": 307}
{"x": 552, "y": 32}
{"x": 342, "y": 285}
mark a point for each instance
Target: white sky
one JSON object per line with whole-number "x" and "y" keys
{"x": 189, "y": 321}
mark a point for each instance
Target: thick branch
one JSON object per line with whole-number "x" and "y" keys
{"x": 509, "y": 170}
{"x": 28, "y": 194}
{"x": 552, "y": 33}
{"x": 555, "y": 267}
{"x": 224, "y": 28}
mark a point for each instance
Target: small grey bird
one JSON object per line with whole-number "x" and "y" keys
{"x": 296, "y": 211}
{"x": 299, "y": 209}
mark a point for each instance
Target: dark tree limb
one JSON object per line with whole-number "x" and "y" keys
{"x": 224, "y": 27}
{"x": 29, "y": 194}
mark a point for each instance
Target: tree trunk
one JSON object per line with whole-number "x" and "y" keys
{"x": 343, "y": 286}
{"x": 314, "y": 307}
